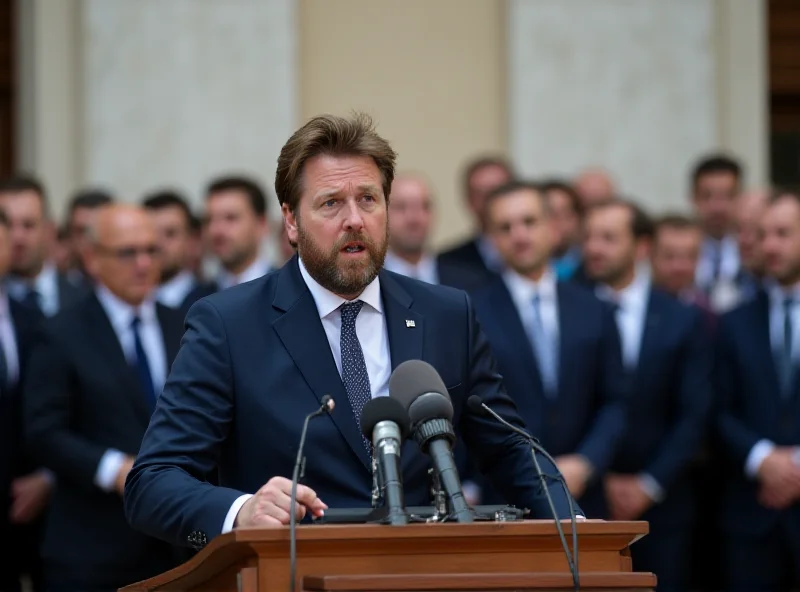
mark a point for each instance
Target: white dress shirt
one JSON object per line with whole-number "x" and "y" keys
{"x": 120, "y": 315}
{"x": 729, "y": 263}
{"x": 425, "y": 269}
{"x": 372, "y": 335}
{"x": 8, "y": 337}
{"x": 173, "y": 292}
{"x": 763, "y": 448}
{"x": 45, "y": 284}
{"x": 490, "y": 255}
{"x": 523, "y": 291}
{"x": 258, "y": 268}
{"x": 631, "y": 318}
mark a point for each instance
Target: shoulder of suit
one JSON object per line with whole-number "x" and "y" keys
{"x": 418, "y": 289}
{"x": 235, "y": 296}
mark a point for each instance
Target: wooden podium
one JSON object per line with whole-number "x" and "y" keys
{"x": 483, "y": 556}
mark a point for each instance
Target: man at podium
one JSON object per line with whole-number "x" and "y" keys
{"x": 257, "y": 358}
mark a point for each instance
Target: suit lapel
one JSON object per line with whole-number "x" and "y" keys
{"x": 404, "y": 326}
{"x": 508, "y": 318}
{"x": 302, "y": 334}
{"x": 569, "y": 327}
{"x": 109, "y": 349}
{"x": 650, "y": 330}
{"x": 761, "y": 345}
{"x": 171, "y": 332}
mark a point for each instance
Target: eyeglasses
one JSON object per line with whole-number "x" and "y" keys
{"x": 130, "y": 254}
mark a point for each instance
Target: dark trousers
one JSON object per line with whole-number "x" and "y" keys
{"x": 769, "y": 563}
{"x": 666, "y": 554}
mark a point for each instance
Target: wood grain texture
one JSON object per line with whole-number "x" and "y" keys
{"x": 420, "y": 550}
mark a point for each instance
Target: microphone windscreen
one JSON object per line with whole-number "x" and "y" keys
{"x": 476, "y": 405}
{"x": 414, "y": 378}
{"x": 384, "y": 409}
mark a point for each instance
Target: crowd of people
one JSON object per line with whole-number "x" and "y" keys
{"x": 655, "y": 359}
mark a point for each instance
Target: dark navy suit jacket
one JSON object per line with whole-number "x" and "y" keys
{"x": 751, "y": 408}
{"x": 670, "y": 400}
{"x": 463, "y": 267}
{"x": 255, "y": 361}
{"x": 587, "y": 416}
{"x": 82, "y": 398}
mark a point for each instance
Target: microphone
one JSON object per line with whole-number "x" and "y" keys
{"x": 478, "y": 407}
{"x": 327, "y": 405}
{"x": 385, "y": 422}
{"x": 419, "y": 388}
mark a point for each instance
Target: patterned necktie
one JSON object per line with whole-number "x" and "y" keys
{"x": 142, "y": 366}
{"x": 354, "y": 368}
{"x": 545, "y": 350}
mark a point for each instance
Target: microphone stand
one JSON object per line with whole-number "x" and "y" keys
{"x": 299, "y": 469}
{"x": 572, "y": 557}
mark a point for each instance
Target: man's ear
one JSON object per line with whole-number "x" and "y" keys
{"x": 290, "y": 223}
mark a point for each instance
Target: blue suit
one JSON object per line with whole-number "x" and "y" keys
{"x": 587, "y": 416}
{"x": 255, "y": 361}
{"x": 751, "y": 408}
{"x": 668, "y": 408}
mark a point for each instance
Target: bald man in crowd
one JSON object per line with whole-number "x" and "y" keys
{"x": 594, "y": 186}
{"x": 93, "y": 385}
{"x": 411, "y": 218}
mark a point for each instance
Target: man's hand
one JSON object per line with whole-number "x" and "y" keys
{"x": 627, "y": 498}
{"x": 576, "y": 471}
{"x": 271, "y": 505}
{"x": 780, "y": 479}
{"x": 122, "y": 474}
{"x": 29, "y": 496}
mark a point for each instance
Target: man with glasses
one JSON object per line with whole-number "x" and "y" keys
{"x": 93, "y": 385}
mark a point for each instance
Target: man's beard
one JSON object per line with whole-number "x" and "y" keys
{"x": 342, "y": 278}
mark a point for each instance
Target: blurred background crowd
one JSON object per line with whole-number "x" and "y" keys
{"x": 613, "y": 183}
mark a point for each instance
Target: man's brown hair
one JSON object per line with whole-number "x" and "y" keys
{"x": 336, "y": 136}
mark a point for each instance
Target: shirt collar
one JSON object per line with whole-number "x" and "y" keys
{"x": 260, "y": 267}
{"x": 778, "y": 294}
{"x": 120, "y": 313}
{"x": 400, "y": 265}
{"x": 175, "y": 290}
{"x": 327, "y": 302}
{"x": 632, "y": 297}
{"x": 42, "y": 283}
{"x": 524, "y": 289}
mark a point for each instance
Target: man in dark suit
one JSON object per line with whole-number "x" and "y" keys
{"x": 556, "y": 345}
{"x": 410, "y": 220}
{"x": 666, "y": 348}
{"x": 258, "y": 357}
{"x": 178, "y": 287}
{"x": 33, "y": 279}
{"x": 82, "y": 211}
{"x": 478, "y": 253}
{"x": 758, "y": 423}
{"x": 24, "y": 488}
{"x": 92, "y": 384}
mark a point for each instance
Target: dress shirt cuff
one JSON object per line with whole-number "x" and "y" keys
{"x": 758, "y": 453}
{"x": 230, "y": 517}
{"x": 108, "y": 468}
{"x": 652, "y": 488}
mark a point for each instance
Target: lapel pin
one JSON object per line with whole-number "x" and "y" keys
{"x": 410, "y": 323}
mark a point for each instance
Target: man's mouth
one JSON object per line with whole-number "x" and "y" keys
{"x": 355, "y": 247}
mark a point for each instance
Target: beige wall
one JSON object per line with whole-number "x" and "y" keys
{"x": 432, "y": 74}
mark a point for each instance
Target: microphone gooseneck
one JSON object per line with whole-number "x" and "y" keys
{"x": 478, "y": 407}
{"x": 327, "y": 405}
{"x": 419, "y": 388}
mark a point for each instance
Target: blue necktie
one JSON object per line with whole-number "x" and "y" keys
{"x": 545, "y": 350}
{"x": 787, "y": 364}
{"x": 354, "y": 368}
{"x": 142, "y": 367}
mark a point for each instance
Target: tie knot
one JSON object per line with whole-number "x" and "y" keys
{"x": 350, "y": 311}
{"x": 136, "y": 322}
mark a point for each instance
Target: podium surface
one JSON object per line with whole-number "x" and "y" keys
{"x": 485, "y": 556}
